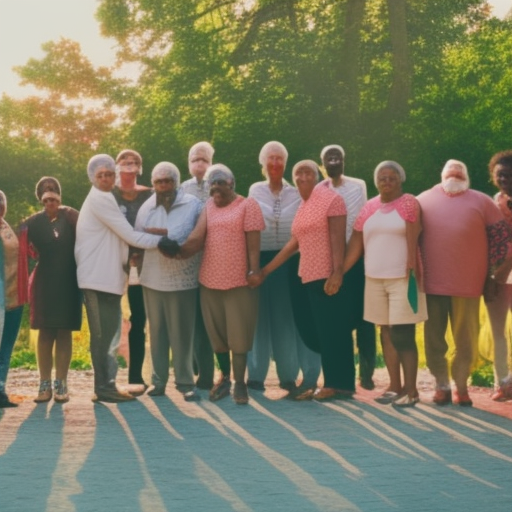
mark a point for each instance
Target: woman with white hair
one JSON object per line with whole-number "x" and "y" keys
{"x": 101, "y": 252}
{"x": 318, "y": 233}
{"x": 170, "y": 285}
{"x": 386, "y": 231}
{"x": 55, "y": 299}
{"x": 13, "y": 294}
{"x": 276, "y": 333}
{"x": 229, "y": 230}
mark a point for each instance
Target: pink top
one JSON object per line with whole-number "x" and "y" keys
{"x": 454, "y": 241}
{"x": 384, "y": 234}
{"x": 311, "y": 230}
{"x": 224, "y": 264}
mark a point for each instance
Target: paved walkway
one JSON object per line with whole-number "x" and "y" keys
{"x": 163, "y": 454}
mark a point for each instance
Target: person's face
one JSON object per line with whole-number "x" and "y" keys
{"x": 163, "y": 185}
{"x": 388, "y": 182}
{"x": 306, "y": 180}
{"x": 104, "y": 179}
{"x": 197, "y": 167}
{"x": 221, "y": 191}
{"x": 128, "y": 169}
{"x": 51, "y": 205}
{"x": 333, "y": 163}
{"x": 455, "y": 172}
{"x": 275, "y": 166}
{"x": 503, "y": 178}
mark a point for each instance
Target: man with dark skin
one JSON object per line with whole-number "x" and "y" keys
{"x": 353, "y": 192}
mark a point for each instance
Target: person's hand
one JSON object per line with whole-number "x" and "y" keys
{"x": 254, "y": 279}
{"x": 333, "y": 283}
{"x": 169, "y": 248}
{"x": 156, "y": 231}
{"x": 135, "y": 259}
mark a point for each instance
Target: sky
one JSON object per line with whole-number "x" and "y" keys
{"x": 26, "y": 24}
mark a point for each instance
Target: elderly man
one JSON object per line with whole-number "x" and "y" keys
{"x": 353, "y": 192}
{"x": 200, "y": 158}
{"x": 463, "y": 233}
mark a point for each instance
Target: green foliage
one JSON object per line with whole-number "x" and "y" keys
{"x": 24, "y": 358}
{"x": 483, "y": 376}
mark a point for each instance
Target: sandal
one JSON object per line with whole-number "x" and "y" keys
{"x": 45, "y": 392}
{"x": 406, "y": 401}
{"x": 386, "y": 398}
{"x": 61, "y": 391}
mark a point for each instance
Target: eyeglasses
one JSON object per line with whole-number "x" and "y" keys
{"x": 49, "y": 200}
{"x": 220, "y": 183}
{"x": 106, "y": 174}
{"x": 162, "y": 181}
{"x": 130, "y": 163}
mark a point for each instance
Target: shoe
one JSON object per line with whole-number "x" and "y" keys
{"x": 367, "y": 384}
{"x": 289, "y": 386}
{"x": 137, "y": 389}
{"x": 221, "y": 389}
{"x": 191, "y": 396}
{"x": 45, "y": 392}
{"x": 326, "y": 394}
{"x": 302, "y": 394}
{"x": 257, "y": 385}
{"x": 386, "y": 398}
{"x": 503, "y": 393}
{"x": 113, "y": 396}
{"x": 406, "y": 401}
{"x": 5, "y": 402}
{"x": 60, "y": 387}
{"x": 240, "y": 395}
{"x": 157, "y": 390}
{"x": 442, "y": 396}
{"x": 462, "y": 399}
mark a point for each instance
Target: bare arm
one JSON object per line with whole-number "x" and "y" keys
{"x": 195, "y": 241}
{"x": 412, "y": 233}
{"x": 252, "y": 239}
{"x": 355, "y": 250}
{"x": 337, "y": 228}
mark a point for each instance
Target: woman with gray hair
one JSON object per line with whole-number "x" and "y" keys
{"x": 318, "y": 233}
{"x": 101, "y": 252}
{"x": 386, "y": 231}
{"x": 276, "y": 333}
{"x": 170, "y": 285}
{"x": 229, "y": 230}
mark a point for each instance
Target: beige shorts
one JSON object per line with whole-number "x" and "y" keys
{"x": 230, "y": 317}
{"x": 386, "y": 303}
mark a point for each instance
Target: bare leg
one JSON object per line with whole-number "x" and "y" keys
{"x": 409, "y": 361}
{"x": 63, "y": 350}
{"x": 391, "y": 358}
{"x": 45, "y": 343}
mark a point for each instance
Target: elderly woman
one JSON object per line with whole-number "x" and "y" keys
{"x": 229, "y": 230}
{"x": 170, "y": 285}
{"x": 318, "y": 233}
{"x": 130, "y": 196}
{"x": 276, "y": 333}
{"x": 386, "y": 231}
{"x": 55, "y": 299}
{"x": 200, "y": 157}
{"x": 101, "y": 251}
{"x": 12, "y": 297}
{"x": 499, "y": 303}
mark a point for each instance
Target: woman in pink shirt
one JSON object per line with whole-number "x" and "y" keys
{"x": 318, "y": 233}
{"x": 229, "y": 231}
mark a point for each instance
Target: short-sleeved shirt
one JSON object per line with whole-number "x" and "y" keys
{"x": 278, "y": 211}
{"x": 311, "y": 230}
{"x": 224, "y": 264}
{"x": 199, "y": 190}
{"x": 455, "y": 241}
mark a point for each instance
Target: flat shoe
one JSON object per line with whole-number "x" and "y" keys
{"x": 302, "y": 395}
{"x": 157, "y": 391}
{"x": 136, "y": 389}
{"x": 5, "y": 402}
{"x": 325, "y": 394}
{"x": 191, "y": 396}
{"x": 462, "y": 399}
{"x": 45, "y": 392}
{"x": 405, "y": 401}
{"x": 221, "y": 390}
{"x": 113, "y": 396}
{"x": 240, "y": 395}
{"x": 386, "y": 398}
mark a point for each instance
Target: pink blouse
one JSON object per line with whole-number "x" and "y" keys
{"x": 311, "y": 230}
{"x": 224, "y": 264}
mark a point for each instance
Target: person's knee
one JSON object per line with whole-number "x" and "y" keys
{"x": 403, "y": 337}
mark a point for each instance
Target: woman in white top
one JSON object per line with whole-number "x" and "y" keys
{"x": 276, "y": 333}
{"x": 386, "y": 231}
{"x": 101, "y": 252}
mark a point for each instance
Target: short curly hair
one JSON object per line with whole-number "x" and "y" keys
{"x": 502, "y": 158}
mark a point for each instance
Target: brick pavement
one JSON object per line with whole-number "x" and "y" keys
{"x": 164, "y": 454}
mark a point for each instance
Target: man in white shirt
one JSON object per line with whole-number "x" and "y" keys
{"x": 353, "y": 192}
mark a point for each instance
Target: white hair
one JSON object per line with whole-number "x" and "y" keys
{"x": 166, "y": 170}
{"x": 389, "y": 164}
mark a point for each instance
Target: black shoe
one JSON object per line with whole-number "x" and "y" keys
{"x": 257, "y": 385}
{"x": 5, "y": 403}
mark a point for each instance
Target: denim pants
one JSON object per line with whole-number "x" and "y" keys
{"x": 12, "y": 323}
{"x": 104, "y": 315}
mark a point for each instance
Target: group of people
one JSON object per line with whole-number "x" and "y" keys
{"x": 289, "y": 273}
